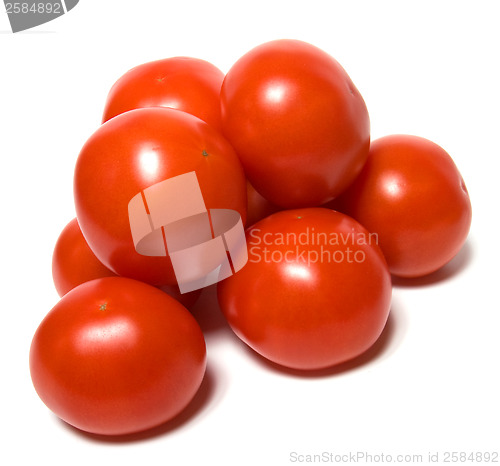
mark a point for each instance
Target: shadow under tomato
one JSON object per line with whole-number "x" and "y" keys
{"x": 453, "y": 268}
{"x": 204, "y": 397}
{"x": 388, "y": 341}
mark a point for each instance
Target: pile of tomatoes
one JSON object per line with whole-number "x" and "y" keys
{"x": 283, "y": 139}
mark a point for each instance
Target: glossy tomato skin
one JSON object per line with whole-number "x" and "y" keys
{"x": 412, "y": 195}
{"x": 297, "y": 122}
{"x": 73, "y": 262}
{"x": 303, "y": 302}
{"x": 117, "y": 356}
{"x": 133, "y": 151}
{"x": 188, "y": 84}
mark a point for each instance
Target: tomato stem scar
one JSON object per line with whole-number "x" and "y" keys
{"x": 204, "y": 153}
{"x": 102, "y": 307}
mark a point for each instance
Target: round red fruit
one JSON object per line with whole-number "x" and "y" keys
{"x": 297, "y": 122}
{"x": 315, "y": 292}
{"x": 134, "y": 151}
{"x": 411, "y": 194}
{"x": 116, "y": 356}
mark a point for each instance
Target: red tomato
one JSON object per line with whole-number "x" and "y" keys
{"x": 297, "y": 122}
{"x": 117, "y": 356}
{"x": 412, "y": 195}
{"x": 133, "y": 151}
{"x": 188, "y": 84}
{"x": 73, "y": 262}
{"x": 315, "y": 292}
{"x": 257, "y": 206}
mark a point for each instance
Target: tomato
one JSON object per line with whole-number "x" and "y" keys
{"x": 315, "y": 292}
{"x": 297, "y": 122}
{"x": 412, "y": 195}
{"x": 188, "y": 84}
{"x": 73, "y": 262}
{"x": 134, "y": 151}
{"x": 117, "y": 356}
{"x": 257, "y": 206}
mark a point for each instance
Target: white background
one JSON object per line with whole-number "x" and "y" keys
{"x": 431, "y": 384}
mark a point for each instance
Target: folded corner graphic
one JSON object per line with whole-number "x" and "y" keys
{"x": 170, "y": 219}
{"x": 30, "y": 13}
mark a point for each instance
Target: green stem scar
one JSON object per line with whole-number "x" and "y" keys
{"x": 204, "y": 153}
